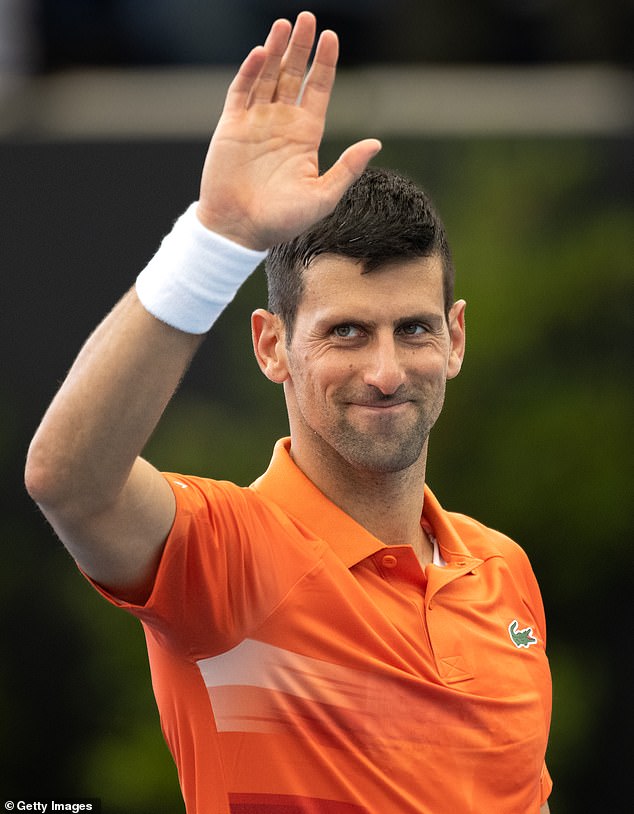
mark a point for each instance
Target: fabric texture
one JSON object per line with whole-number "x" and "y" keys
{"x": 302, "y": 666}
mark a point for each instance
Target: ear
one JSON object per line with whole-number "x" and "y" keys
{"x": 269, "y": 345}
{"x": 457, "y": 338}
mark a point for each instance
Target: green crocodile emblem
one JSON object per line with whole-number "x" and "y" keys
{"x": 521, "y": 638}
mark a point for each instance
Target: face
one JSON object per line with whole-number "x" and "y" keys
{"x": 365, "y": 372}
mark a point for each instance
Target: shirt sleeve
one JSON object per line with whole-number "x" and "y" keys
{"x": 229, "y": 560}
{"x": 545, "y": 785}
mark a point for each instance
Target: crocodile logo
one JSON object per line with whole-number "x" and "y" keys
{"x": 521, "y": 638}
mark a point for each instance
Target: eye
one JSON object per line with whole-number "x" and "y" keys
{"x": 413, "y": 329}
{"x": 346, "y": 331}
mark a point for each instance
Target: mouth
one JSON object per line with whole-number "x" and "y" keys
{"x": 382, "y": 407}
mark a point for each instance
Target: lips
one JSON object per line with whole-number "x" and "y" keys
{"x": 380, "y": 406}
{"x": 375, "y": 399}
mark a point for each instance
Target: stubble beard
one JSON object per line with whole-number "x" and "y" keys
{"x": 388, "y": 448}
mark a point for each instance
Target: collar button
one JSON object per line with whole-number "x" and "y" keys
{"x": 389, "y": 561}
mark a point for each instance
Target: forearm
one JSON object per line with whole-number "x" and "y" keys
{"x": 106, "y": 409}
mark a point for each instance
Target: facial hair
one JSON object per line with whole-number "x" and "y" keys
{"x": 388, "y": 443}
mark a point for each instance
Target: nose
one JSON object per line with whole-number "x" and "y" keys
{"x": 384, "y": 368}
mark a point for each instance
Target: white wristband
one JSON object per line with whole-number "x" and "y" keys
{"x": 194, "y": 275}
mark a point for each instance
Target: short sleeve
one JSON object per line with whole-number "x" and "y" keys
{"x": 230, "y": 557}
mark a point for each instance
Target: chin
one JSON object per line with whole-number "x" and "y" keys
{"x": 386, "y": 458}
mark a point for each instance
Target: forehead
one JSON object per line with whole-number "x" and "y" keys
{"x": 338, "y": 283}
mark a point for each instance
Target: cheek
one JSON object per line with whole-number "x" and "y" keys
{"x": 435, "y": 363}
{"x": 318, "y": 370}
{"x": 318, "y": 393}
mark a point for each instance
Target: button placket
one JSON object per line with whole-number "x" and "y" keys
{"x": 439, "y": 578}
{"x": 402, "y": 569}
{"x": 453, "y": 667}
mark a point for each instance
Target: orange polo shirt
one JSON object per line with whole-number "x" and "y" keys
{"x": 300, "y": 666}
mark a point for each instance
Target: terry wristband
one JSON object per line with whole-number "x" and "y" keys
{"x": 194, "y": 275}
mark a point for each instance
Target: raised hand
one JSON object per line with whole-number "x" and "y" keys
{"x": 261, "y": 183}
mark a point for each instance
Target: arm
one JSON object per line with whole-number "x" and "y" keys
{"x": 260, "y": 185}
{"x": 544, "y": 809}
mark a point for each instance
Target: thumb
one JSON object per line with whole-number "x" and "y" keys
{"x": 349, "y": 166}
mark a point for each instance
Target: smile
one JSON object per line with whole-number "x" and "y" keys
{"x": 387, "y": 407}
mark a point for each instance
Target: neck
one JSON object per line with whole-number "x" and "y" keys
{"x": 388, "y": 504}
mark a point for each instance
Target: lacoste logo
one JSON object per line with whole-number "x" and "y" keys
{"x": 521, "y": 638}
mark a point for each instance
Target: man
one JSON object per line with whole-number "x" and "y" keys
{"x": 329, "y": 639}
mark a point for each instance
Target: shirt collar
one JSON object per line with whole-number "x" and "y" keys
{"x": 287, "y": 486}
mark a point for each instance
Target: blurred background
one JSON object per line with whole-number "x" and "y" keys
{"x": 518, "y": 117}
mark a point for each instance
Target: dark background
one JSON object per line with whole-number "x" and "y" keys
{"x": 535, "y": 438}
{"x": 447, "y": 31}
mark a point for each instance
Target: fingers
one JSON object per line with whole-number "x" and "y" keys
{"x": 275, "y": 71}
{"x": 240, "y": 89}
{"x": 258, "y": 73}
{"x": 276, "y": 47}
{"x": 295, "y": 59}
{"x": 321, "y": 77}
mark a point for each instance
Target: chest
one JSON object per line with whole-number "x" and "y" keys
{"x": 398, "y": 673}
{"x": 467, "y": 628}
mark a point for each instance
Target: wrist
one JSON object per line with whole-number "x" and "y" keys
{"x": 232, "y": 230}
{"x": 194, "y": 275}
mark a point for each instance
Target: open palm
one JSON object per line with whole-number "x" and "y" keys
{"x": 261, "y": 183}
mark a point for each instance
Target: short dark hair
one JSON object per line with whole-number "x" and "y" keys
{"x": 382, "y": 217}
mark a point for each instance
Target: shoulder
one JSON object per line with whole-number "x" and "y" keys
{"x": 502, "y": 559}
{"x": 223, "y": 506}
{"x": 199, "y": 495}
{"x": 485, "y": 542}
{"x": 492, "y": 546}
{"x": 195, "y": 493}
